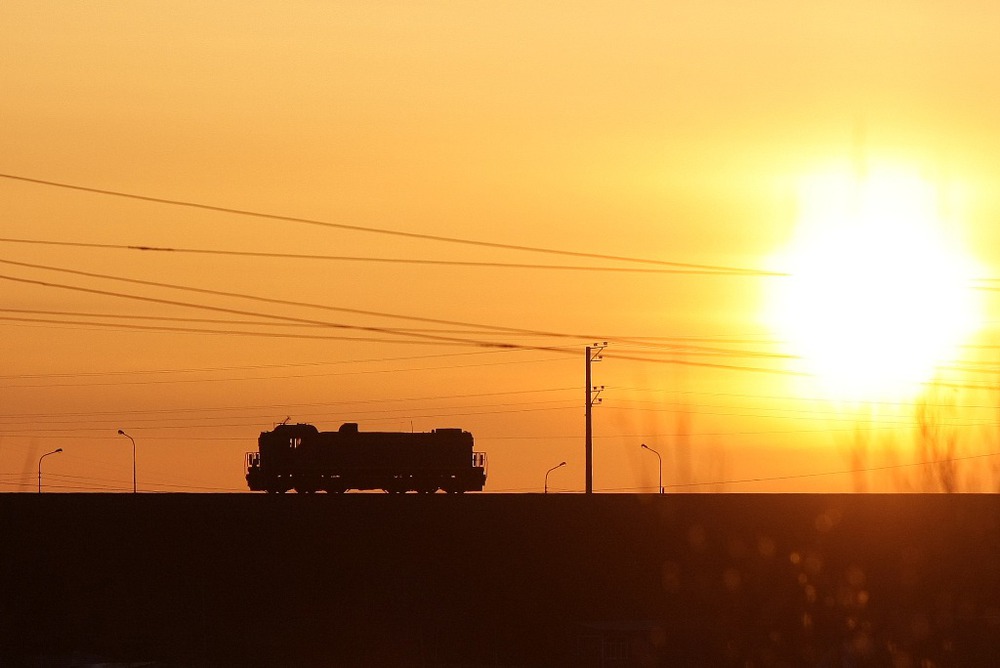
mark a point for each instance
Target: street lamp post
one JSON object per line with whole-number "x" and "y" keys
{"x": 660, "y": 463}
{"x": 559, "y": 465}
{"x": 40, "y": 467}
{"x": 122, "y": 433}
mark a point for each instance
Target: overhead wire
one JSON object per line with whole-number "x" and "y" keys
{"x": 785, "y": 477}
{"x": 384, "y": 260}
{"x": 484, "y": 329}
{"x": 316, "y": 324}
{"x": 41, "y": 431}
{"x": 799, "y": 398}
{"x": 230, "y": 321}
{"x": 432, "y": 337}
{"x": 663, "y": 348}
{"x": 116, "y": 484}
{"x": 120, "y": 326}
{"x": 706, "y": 365}
{"x": 206, "y": 421}
{"x": 672, "y": 350}
{"x": 253, "y": 367}
{"x": 858, "y": 427}
{"x": 284, "y": 407}
{"x": 681, "y": 407}
{"x": 220, "y": 309}
{"x": 797, "y": 476}
{"x": 680, "y": 347}
{"x": 488, "y": 329}
{"x": 395, "y": 331}
{"x": 900, "y": 421}
{"x": 903, "y": 421}
{"x": 384, "y": 231}
{"x": 172, "y": 381}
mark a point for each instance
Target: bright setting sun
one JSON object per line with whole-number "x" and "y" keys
{"x": 878, "y": 294}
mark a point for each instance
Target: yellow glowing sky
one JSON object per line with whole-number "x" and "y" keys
{"x": 678, "y": 131}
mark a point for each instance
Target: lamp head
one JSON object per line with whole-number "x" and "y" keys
{"x": 643, "y": 445}
{"x": 58, "y": 450}
{"x": 121, "y": 433}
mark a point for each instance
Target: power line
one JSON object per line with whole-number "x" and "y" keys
{"x": 790, "y": 413}
{"x": 784, "y": 398}
{"x": 146, "y": 483}
{"x": 715, "y": 351}
{"x": 901, "y": 421}
{"x": 389, "y": 260}
{"x": 673, "y": 350}
{"x": 286, "y": 406}
{"x": 229, "y": 321}
{"x": 78, "y": 324}
{"x": 385, "y": 231}
{"x": 793, "y": 476}
{"x": 764, "y": 432}
{"x": 156, "y": 300}
{"x": 423, "y": 337}
{"x": 709, "y": 365}
{"x": 797, "y": 476}
{"x": 485, "y": 329}
{"x": 269, "y": 300}
{"x": 434, "y": 338}
{"x": 253, "y": 367}
{"x": 205, "y": 421}
{"x": 287, "y": 376}
{"x": 448, "y": 341}
{"x": 810, "y": 416}
{"x": 663, "y": 346}
{"x": 681, "y": 347}
{"x": 41, "y": 432}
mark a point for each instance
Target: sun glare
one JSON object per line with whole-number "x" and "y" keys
{"x": 878, "y": 294}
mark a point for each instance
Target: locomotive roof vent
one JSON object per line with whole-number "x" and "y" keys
{"x": 348, "y": 428}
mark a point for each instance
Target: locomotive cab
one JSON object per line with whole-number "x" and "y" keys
{"x": 270, "y": 468}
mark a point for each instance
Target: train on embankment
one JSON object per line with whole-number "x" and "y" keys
{"x": 303, "y": 458}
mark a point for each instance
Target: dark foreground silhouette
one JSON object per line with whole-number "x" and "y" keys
{"x": 447, "y": 580}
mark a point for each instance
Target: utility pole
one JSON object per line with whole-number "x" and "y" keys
{"x": 593, "y": 397}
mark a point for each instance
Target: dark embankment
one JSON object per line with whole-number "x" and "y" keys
{"x": 500, "y": 580}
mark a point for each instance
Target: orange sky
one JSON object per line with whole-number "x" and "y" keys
{"x": 671, "y": 131}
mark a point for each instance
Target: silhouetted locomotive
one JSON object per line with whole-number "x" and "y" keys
{"x": 303, "y": 458}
